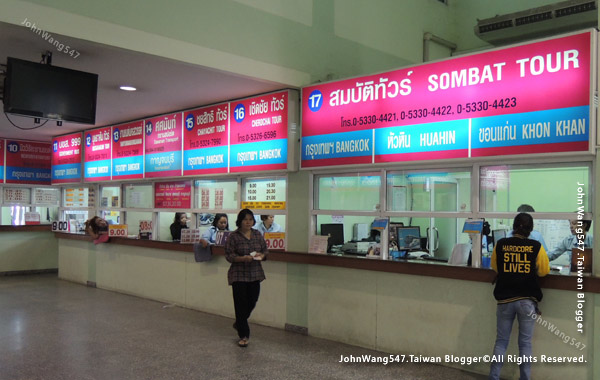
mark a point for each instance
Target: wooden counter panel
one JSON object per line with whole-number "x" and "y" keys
{"x": 427, "y": 268}
{"x": 30, "y": 228}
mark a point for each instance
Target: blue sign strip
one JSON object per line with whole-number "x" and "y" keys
{"x": 16, "y": 173}
{"x": 431, "y": 137}
{"x": 338, "y": 145}
{"x": 96, "y": 169}
{"x": 532, "y": 128}
{"x": 259, "y": 153}
{"x": 128, "y": 166}
{"x": 162, "y": 162}
{"x": 66, "y": 171}
{"x": 205, "y": 158}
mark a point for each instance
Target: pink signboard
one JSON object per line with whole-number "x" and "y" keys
{"x": 1, "y": 161}
{"x": 259, "y": 133}
{"x": 163, "y": 146}
{"x": 66, "y": 159}
{"x": 97, "y": 155}
{"x": 494, "y": 103}
{"x": 206, "y": 140}
{"x": 128, "y": 150}
{"x": 173, "y": 195}
{"x": 28, "y": 162}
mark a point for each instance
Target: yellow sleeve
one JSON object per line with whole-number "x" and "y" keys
{"x": 494, "y": 266}
{"x": 542, "y": 264}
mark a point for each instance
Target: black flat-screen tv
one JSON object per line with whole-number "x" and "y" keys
{"x": 335, "y": 231}
{"x": 49, "y": 92}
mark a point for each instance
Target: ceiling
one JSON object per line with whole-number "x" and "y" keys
{"x": 163, "y": 85}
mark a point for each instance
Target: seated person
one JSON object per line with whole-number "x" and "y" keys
{"x": 534, "y": 235}
{"x": 571, "y": 241}
{"x": 97, "y": 228}
{"x": 268, "y": 224}
{"x": 220, "y": 223}
{"x": 178, "y": 224}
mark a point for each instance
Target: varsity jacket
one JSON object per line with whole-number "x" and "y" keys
{"x": 519, "y": 262}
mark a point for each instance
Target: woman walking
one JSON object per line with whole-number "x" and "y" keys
{"x": 245, "y": 249}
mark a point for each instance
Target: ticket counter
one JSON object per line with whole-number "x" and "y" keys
{"x": 390, "y": 306}
{"x": 437, "y": 201}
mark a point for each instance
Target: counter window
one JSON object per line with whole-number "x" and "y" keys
{"x": 545, "y": 188}
{"x": 169, "y": 227}
{"x": 111, "y": 196}
{"x": 79, "y": 197}
{"x": 138, "y": 195}
{"x": 429, "y": 191}
{"x": 357, "y": 192}
{"x": 216, "y": 195}
{"x": 133, "y": 221}
{"x": 555, "y": 235}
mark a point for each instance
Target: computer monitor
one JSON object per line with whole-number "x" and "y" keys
{"x": 335, "y": 231}
{"x": 409, "y": 238}
{"x": 498, "y": 234}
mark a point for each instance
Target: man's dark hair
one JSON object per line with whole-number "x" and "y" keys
{"x": 523, "y": 224}
{"x": 586, "y": 224}
{"x": 525, "y": 208}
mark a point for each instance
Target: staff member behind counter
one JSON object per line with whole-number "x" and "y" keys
{"x": 519, "y": 261}
{"x": 579, "y": 233}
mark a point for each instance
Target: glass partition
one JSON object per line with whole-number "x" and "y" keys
{"x": 353, "y": 192}
{"x": 133, "y": 221}
{"x": 14, "y": 215}
{"x": 138, "y": 195}
{"x": 429, "y": 191}
{"x": 434, "y": 205}
{"x": 216, "y": 194}
{"x": 165, "y": 219}
{"x": 110, "y": 196}
{"x": 558, "y": 188}
{"x": 556, "y": 236}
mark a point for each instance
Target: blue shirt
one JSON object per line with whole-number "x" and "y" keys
{"x": 211, "y": 234}
{"x": 567, "y": 244}
{"x": 262, "y": 229}
{"x": 534, "y": 235}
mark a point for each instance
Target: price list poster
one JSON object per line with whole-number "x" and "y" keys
{"x": 259, "y": 132}
{"x": 128, "y": 150}
{"x": 28, "y": 162}
{"x": 206, "y": 140}
{"x": 532, "y": 98}
{"x": 163, "y": 146}
{"x": 97, "y": 155}
{"x": 66, "y": 159}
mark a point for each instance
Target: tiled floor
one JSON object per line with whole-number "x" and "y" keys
{"x": 53, "y": 329}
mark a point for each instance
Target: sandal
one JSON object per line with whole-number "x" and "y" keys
{"x": 243, "y": 342}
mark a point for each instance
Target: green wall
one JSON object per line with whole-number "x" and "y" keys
{"x": 296, "y": 42}
{"x": 24, "y": 251}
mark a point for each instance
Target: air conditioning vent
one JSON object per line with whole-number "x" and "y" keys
{"x": 538, "y": 22}
{"x": 496, "y": 26}
{"x": 587, "y": 7}
{"x": 533, "y": 18}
